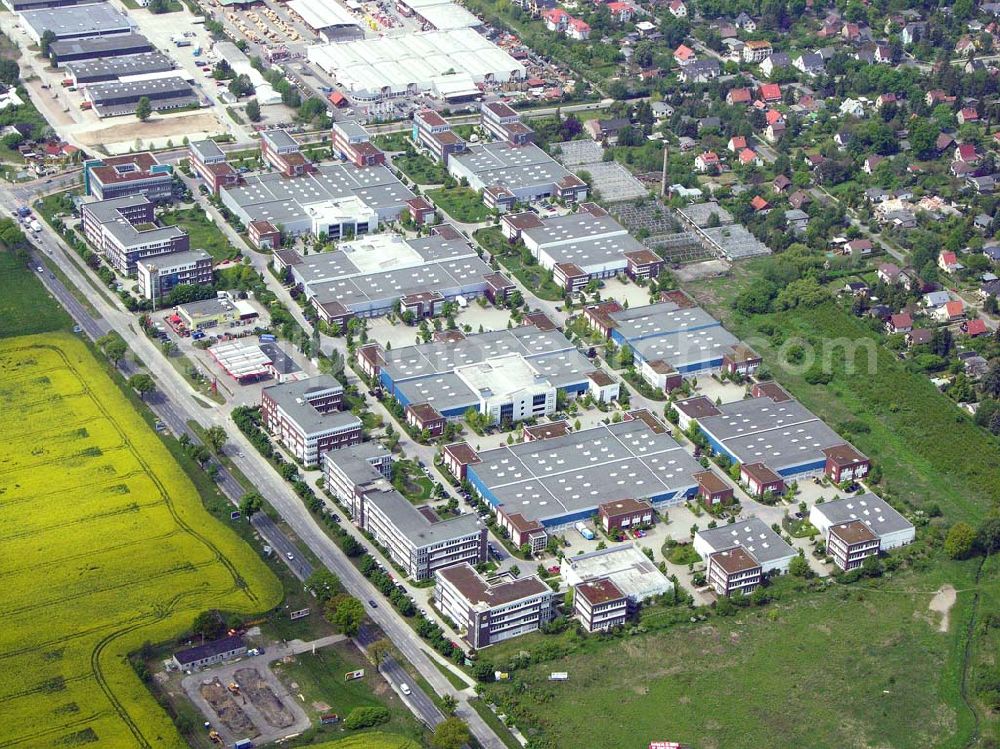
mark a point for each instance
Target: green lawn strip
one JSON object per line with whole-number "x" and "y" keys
{"x": 55, "y": 270}
{"x": 456, "y": 681}
{"x": 20, "y": 310}
{"x": 227, "y": 461}
{"x": 203, "y": 233}
{"x": 785, "y": 661}
{"x": 533, "y": 277}
{"x": 461, "y": 203}
{"x": 182, "y": 364}
{"x": 320, "y": 680}
{"x": 499, "y": 728}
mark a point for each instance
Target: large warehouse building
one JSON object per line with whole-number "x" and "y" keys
{"x": 328, "y": 18}
{"x": 370, "y": 275}
{"x": 99, "y": 70}
{"x": 521, "y": 173}
{"x": 333, "y": 200}
{"x": 119, "y": 98}
{"x": 98, "y": 47}
{"x": 556, "y": 482}
{"x": 773, "y": 435}
{"x": 497, "y": 373}
{"x": 446, "y": 64}
{"x": 75, "y": 21}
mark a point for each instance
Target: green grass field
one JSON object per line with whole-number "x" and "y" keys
{"x": 460, "y": 203}
{"x": 532, "y": 277}
{"x": 856, "y": 667}
{"x": 21, "y": 312}
{"x": 204, "y": 234}
{"x": 320, "y": 680}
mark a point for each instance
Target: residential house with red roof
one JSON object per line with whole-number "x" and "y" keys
{"x": 769, "y": 92}
{"x": 706, "y": 161}
{"x": 738, "y": 96}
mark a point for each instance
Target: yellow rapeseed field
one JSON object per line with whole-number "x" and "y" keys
{"x": 104, "y": 545}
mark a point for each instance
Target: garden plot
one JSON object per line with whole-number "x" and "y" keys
{"x": 612, "y": 180}
{"x": 94, "y": 506}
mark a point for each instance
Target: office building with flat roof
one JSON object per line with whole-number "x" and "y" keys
{"x": 600, "y": 605}
{"x": 781, "y": 435}
{"x": 563, "y": 480}
{"x": 739, "y": 554}
{"x": 486, "y": 612}
{"x": 124, "y": 231}
{"x": 333, "y": 201}
{"x": 306, "y": 417}
{"x": 857, "y": 527}
{"x": 416, "y": 538}
{"x": 354, "y": 470}
{"x": 208, "y": 161}
{"x": 159, "y": 274}
{"x": 350, "y": 139}
{"x": 631, "y": 571}
{"x": 375, "y": 274}
{"x": 128, "y": 174}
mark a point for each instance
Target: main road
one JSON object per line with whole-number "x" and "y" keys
{"x": 176, "y": 405}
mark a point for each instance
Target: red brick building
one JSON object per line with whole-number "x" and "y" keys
{"x": 760, "y": 479}
{"x": 282, "y": 151}
{"x": 457, "y": 457}
{"x": 421, "y": 210}
{"x": 712, "y": 489}
{"x": 624, "y": 514}
{"x": 305, "y": 417}
{"x": 264, "y": 235}
{"x": 844, "y": 463}
{"x": 209, "y": 162}
{"x": 424, "y": 417}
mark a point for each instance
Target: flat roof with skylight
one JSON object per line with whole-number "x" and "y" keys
{"x": 563, "y": 479}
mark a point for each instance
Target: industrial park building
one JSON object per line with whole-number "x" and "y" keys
{"x": 383, "y": 273}
{"x": 98, "y": 47}
{"x": 486, "y": 612}
{"x": 450, "y": 64}
{"x": 335, "y": 200}
{"x": 507, "y": 375}
{"x": 554, "y": 483}
{"x": 416, "y": 538}
{"x": 354, "y": 470}
{"x": 119, "y": 98}
{"x": 129, "y": 174}
{"x": 124, "y": 232}
{"x": 306, "y": 417}
{"x": 523, "y": 173}
{"x": 75, "y": 21}
{"x": 859, "y": 527}
{"x": 774, "y": 431}
{"x": 208, "y": 161}
{"x": 670, "y": 341}
{"x": 159, "y": 274}
{"x": 738, "y": 555}
{"x": 83, "y": 72}
{"x": 580, "y": 246}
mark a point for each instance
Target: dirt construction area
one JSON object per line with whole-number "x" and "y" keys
{"x": 224, "y": 705}
{"x": 245, "y": 701}
{"x": 257, "y": 690}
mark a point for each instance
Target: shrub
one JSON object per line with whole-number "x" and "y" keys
{"x": 366, "y": 717}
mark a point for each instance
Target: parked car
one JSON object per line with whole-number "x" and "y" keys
{"x": 371, "y": 602}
